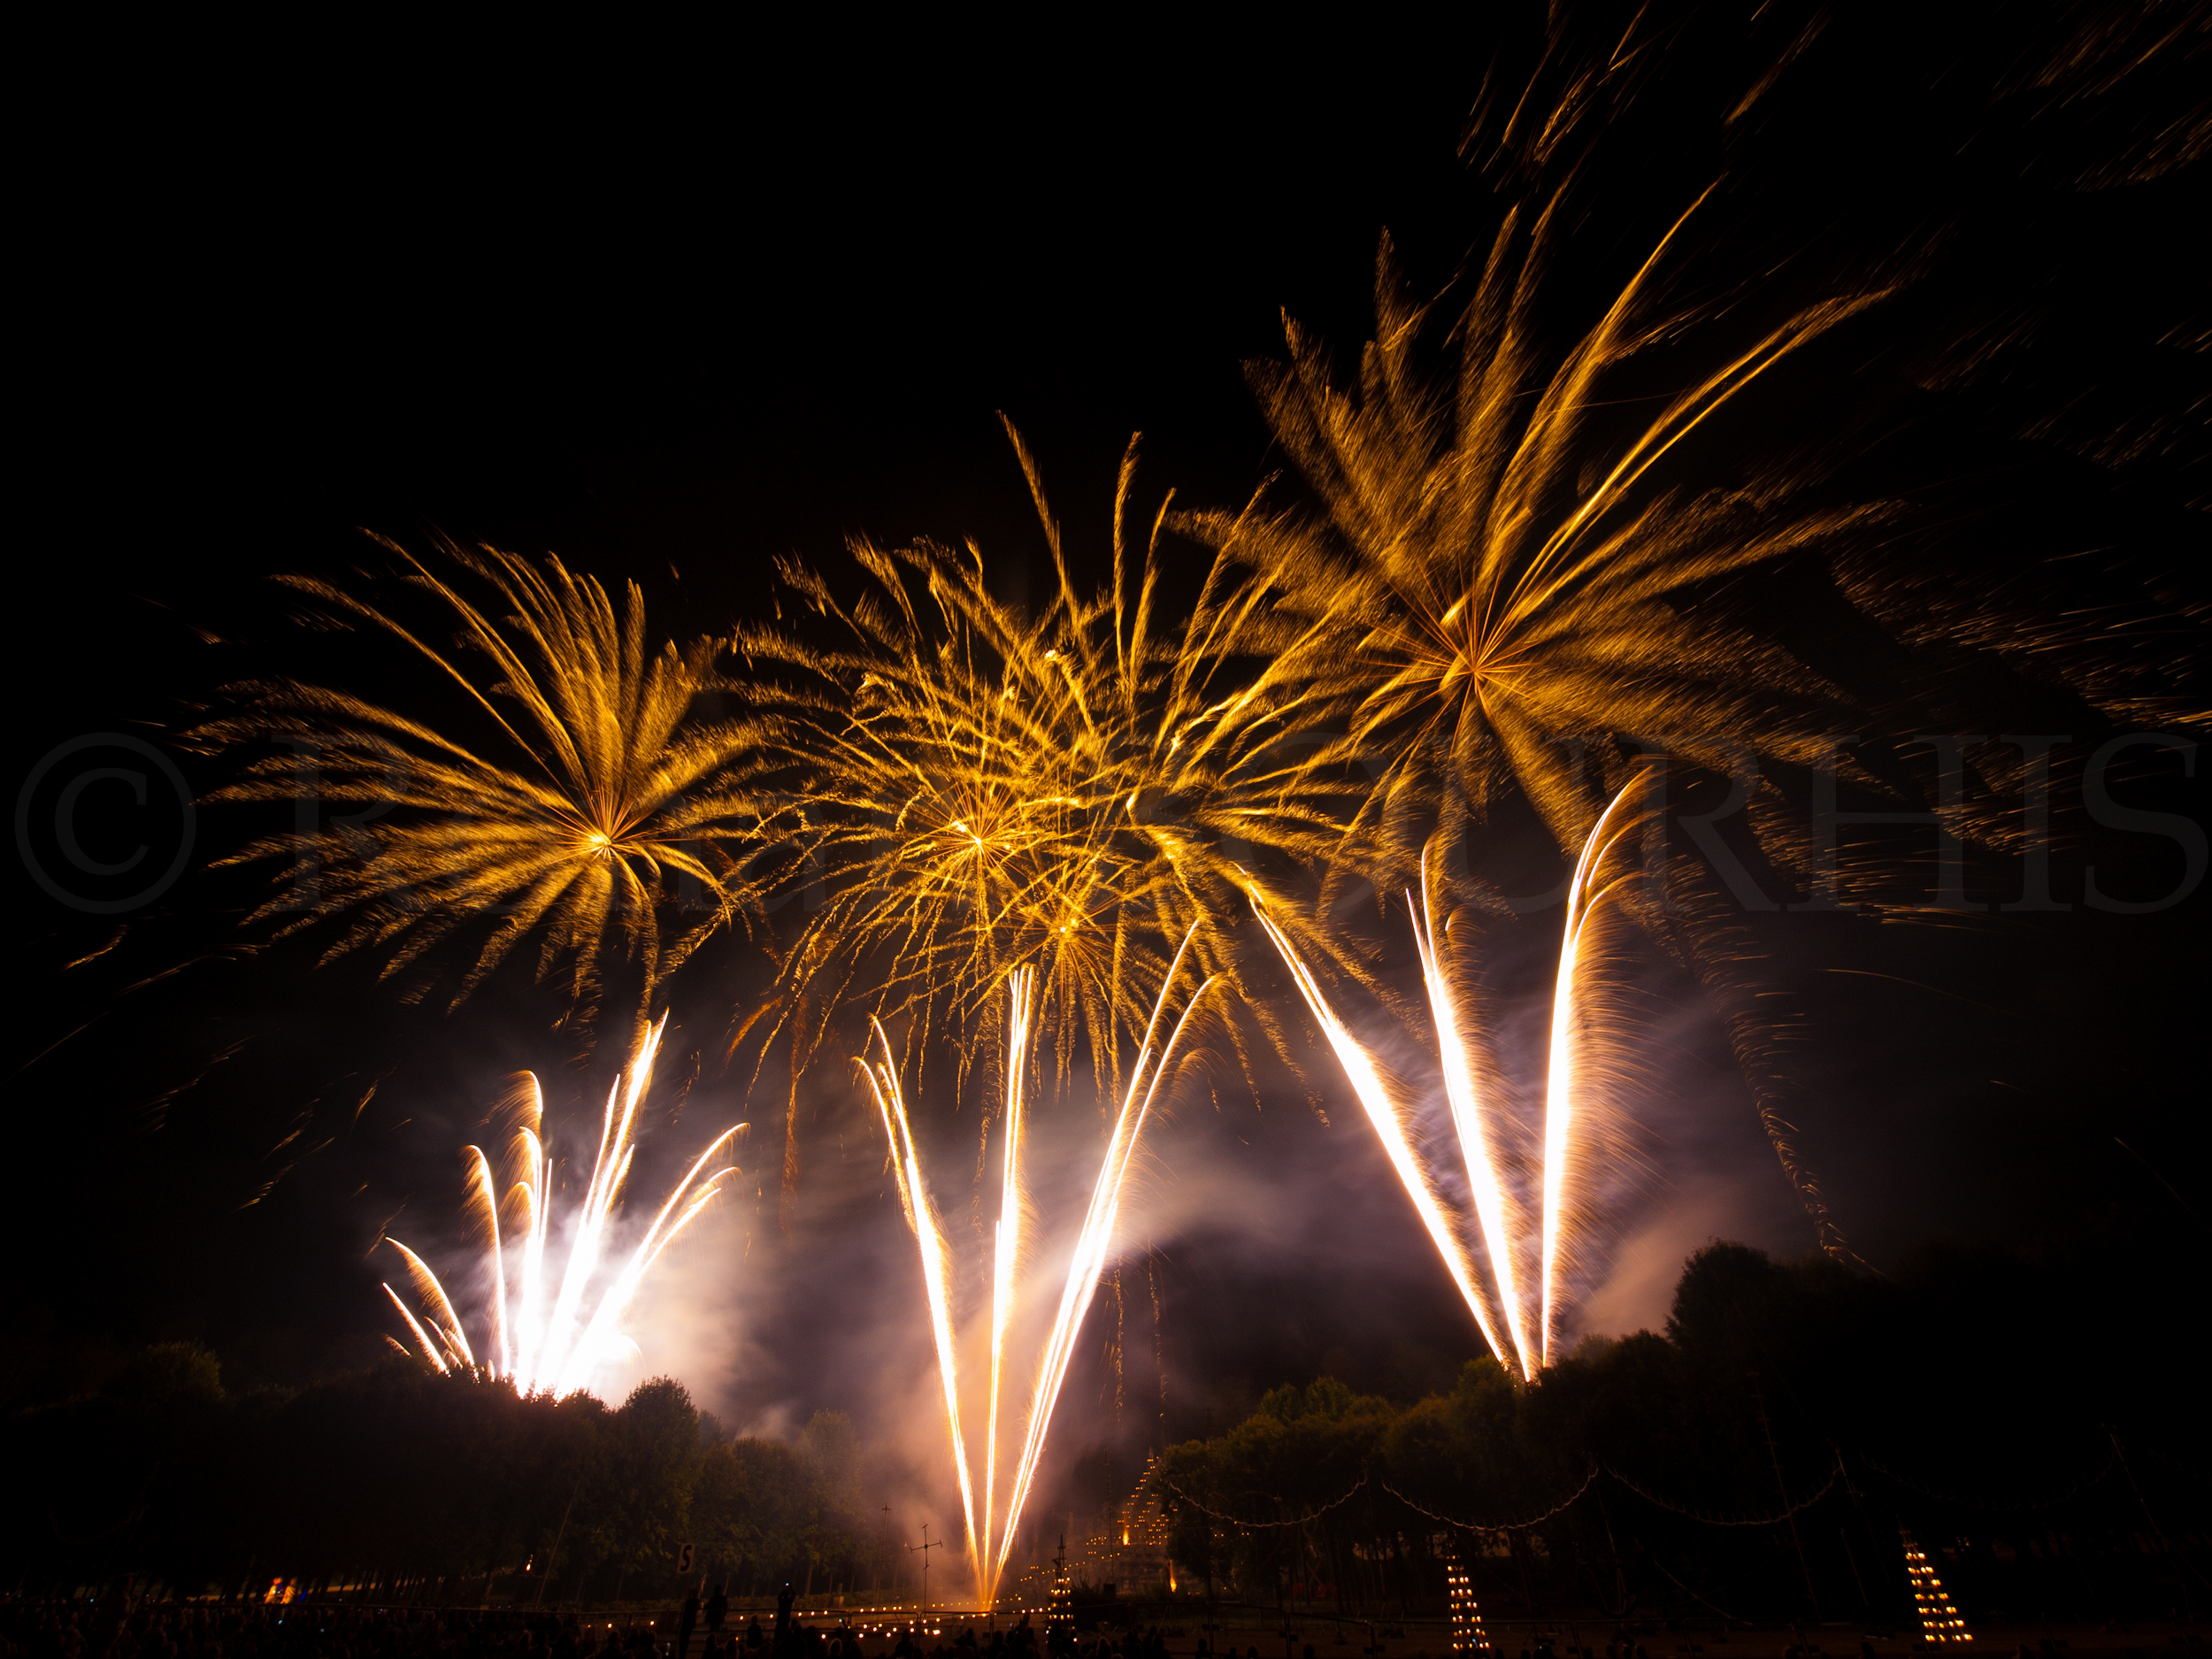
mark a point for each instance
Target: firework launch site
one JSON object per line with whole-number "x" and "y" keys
{"x": 1639, "y": 1481}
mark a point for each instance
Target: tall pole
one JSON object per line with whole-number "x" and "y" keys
{"x": 553, "y": 1561}
{"x": 1061, "y": 1603}
{"x": 925, "y": 1546}
{"x": 1758, "y": 1400}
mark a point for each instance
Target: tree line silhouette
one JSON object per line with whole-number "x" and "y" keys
{"x": 2031, "y": 1418}
{"x": 1765, "y": 1457}
{"x": 403, "y": 1485}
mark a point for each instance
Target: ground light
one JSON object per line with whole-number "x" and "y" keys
{"x": 1940, "y": 1621}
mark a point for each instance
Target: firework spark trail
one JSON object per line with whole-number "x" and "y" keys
{"x": 1390, "y": 1129}
{"x": 989, "y": 1546}
{"x": 1006, "y": 1243}
{"x": 539, "y": 1351}
{"x": 1483, "y": 1180}
{"x": 936, "y": 1267}
{"x": 429, "y": 1349}
{"x": 532, "y": 1193}
{"x": 488, "y": 1190}
{"x": 1092, "y": 1250}
{"x": 606, "y": 1179}
{"x": 1563, "y": 1104}
{"x": 1565, "y": 1109}
{"x": 451, "y": 1337}
{"x": 599, "y": 1334}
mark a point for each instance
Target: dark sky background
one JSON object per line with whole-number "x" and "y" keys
{"x": 674, "y": 312}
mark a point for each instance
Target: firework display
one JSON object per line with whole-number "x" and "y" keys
{"x": 989, "y": 1545}
{"x": 553, "y": 1333}
{"x": 1481, "y": 601}
{"x": 1654, "y": 651}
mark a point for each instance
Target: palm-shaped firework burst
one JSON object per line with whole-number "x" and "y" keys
{"x": 980, "y": 791}
{"x": 606, "y": 798}
{"x": 1487, "y": 590}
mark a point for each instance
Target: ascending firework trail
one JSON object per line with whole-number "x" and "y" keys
{"x": 990, "y": 1543}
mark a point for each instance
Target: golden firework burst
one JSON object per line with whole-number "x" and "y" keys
{"x": 978, "y": 790}
{"x": 1492, "y": 589}
{"x": 604, "y": 805}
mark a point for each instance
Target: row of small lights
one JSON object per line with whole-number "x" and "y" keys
{"x": 1466, "y": 1612}
{"x": 1940, "y": 1621}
